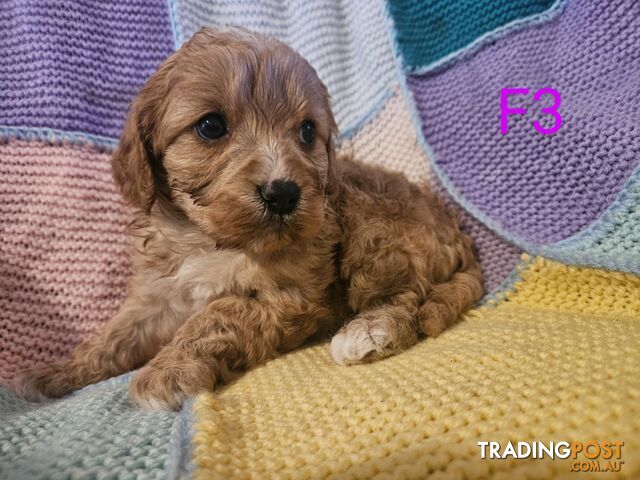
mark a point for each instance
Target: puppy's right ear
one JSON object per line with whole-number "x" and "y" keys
{"x": 133, "y": 159}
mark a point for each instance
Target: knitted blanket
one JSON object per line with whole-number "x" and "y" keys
{"x": 550, "y": 355}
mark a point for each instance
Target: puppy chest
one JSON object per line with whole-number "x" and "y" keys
{"x": 203, "y": 277}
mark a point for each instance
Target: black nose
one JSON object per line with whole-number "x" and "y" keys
{"x": 281, "y": 196}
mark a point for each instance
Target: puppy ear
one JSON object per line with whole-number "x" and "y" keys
{"x": 136, "y": 160}
{"x": 131, "y": 162}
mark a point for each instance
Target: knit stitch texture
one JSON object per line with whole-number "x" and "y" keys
{"x": 97, "y": 432}
{"x": 64, "y": 253}
{"x": 612, "y": 241}
{"x": 75, "y": 65}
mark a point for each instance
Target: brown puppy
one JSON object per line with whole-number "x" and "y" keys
{"x": 252, "y": 236}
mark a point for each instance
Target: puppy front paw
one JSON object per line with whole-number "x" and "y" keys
{"x": 166, "y": 387}
{"x": 360, "y": 342}
{"x": 38, "y": 383}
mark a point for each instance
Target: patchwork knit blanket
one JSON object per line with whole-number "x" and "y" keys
{"x": 522, "y": 114}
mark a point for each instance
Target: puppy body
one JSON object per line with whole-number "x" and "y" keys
{"x": 225, "y": 277}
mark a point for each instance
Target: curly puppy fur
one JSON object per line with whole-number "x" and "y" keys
{"x": 222, "y": 283}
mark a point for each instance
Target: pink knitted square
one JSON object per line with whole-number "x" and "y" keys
{"x": 64, "y": 254}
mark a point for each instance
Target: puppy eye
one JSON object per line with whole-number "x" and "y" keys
{"x": 307, "y": 132}
{"x": 212, "y": 126}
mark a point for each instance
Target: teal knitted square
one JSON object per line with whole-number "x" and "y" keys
{"x": 429, "y": 30}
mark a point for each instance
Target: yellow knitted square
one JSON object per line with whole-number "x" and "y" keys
{"x": 548, "y": 284}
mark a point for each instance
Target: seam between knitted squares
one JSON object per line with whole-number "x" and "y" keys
{"x": 600, "y": 224}
{"x": 180, "y": 463}
{"x": 499, "y": 294}
{"x": 373, "y": 112}
{"x": 495, "y": 34}
{"x": 178, "y": 36}
{"x": 54, "y": 136}
{"x": 174, "y": 24}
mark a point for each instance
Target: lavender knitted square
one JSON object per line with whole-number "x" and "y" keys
{"x": 76, "y": 65}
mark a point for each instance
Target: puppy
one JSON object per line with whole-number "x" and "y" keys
{"x": 253, "y": 236}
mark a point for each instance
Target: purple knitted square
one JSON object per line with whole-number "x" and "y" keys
{"x": 543, "y": 188}
{"x": 76, "y": 65}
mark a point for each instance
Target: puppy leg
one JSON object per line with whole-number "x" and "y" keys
{"x": 448, "y": 300}
{"x": 230, "y": 335}
{"x": 375, "y": 333}
{"x": 127, "y": 341}
{"x": 382, "y": 331}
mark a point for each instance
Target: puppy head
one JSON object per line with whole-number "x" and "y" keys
{"x": 234, "y": 130}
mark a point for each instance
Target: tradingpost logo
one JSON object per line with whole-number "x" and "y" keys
{"x": 604, "y": 456}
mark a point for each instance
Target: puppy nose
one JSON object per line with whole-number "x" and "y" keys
{"x": 281, "y": 196}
